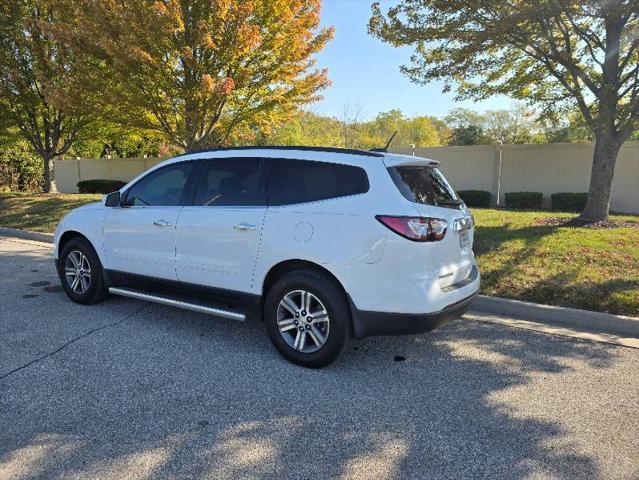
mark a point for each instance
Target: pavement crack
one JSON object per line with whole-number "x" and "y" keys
{"x": 73, "y": 340}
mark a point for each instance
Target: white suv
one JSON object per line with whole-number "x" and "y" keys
{"x": 313, "y": 241}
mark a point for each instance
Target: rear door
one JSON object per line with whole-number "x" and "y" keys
{"x": 432, "y": 196}
{"x": 218, "y": 236}
{"x": 139, "y": 237}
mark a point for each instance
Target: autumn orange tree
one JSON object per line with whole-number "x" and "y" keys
{"x": 197, "y": 70}
{"x": 35, "y": 72}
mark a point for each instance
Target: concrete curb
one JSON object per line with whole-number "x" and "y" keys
{"x": 600, "y": 337}
{"x": 583, "y": 320}
{"x": 26, "y": 235}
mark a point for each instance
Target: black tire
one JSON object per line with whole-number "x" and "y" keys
{"x": 333, "y": 300}
{"x": 96, "y": 290}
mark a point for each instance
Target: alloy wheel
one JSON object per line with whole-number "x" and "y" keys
{"x": 77, "y": 272}
{"x": 303, "y": 321}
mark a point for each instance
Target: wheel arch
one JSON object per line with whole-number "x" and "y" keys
{"x": 70, "y": 235}
{"x": 288, "y": 266}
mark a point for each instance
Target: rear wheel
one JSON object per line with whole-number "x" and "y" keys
{"x": 80, "y": 272}
{"x": 307, "y": 318}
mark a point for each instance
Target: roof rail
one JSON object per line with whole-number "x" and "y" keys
{"x": 348, "y": 151}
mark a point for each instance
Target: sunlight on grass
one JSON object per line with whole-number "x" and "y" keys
{"x": 594, "y": 269}
{"x": 38, "y": 212}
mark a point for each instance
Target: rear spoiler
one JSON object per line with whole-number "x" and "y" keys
{"x": 392, "y": 160}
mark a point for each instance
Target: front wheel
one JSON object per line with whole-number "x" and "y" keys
{"x": 80, "y": 272}
{"x": 307, "y": 318}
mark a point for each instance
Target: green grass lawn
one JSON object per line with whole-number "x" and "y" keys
{"x": 38, "y": 212}
{"x": 594, "y": 269}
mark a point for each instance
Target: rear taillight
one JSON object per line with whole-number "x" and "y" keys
{"x": 418, "y": 229}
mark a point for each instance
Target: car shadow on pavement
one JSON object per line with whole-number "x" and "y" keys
{"x": 169, "y": 393}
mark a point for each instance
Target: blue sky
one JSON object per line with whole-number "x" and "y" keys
{"x": 365, "y": 71}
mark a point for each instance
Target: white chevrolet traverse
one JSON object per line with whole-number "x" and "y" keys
{"x": 316, "y": 242}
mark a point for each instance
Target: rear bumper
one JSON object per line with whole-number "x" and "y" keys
{"x": 367, "y": 324}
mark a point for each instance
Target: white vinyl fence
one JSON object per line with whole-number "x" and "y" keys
{"x": 546, "y": 168}
{"x": 69, "y": 172}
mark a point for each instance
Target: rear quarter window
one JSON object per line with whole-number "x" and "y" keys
{"x": 421, "y": 184}
{"x": 302, "y": 181}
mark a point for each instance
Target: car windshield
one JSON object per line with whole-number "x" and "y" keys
{"x": 425, "y": 185}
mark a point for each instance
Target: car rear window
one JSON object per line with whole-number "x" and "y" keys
{"x": 421, "y": 184}
{"x": 301, "y": 181}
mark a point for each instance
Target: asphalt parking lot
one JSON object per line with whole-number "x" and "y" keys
{"x": 126, "y": 389}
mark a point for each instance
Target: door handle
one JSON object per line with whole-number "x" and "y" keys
{"x": 162, "y": 223}
{"x": 244, "y": 227}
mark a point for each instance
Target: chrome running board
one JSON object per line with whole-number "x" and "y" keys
{"x": 171, "y": 302}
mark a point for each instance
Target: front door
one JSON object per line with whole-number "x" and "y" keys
{"x": 218, "y": 237}
{"x": 139, "y": 237}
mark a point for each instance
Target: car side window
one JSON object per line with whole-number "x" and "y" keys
{"x": 229, "y": 182}
{"x": 301, "y": 181}
{"x": 163, "y": 187}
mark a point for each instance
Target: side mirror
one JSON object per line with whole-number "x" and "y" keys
{"x": 112, "y": 199}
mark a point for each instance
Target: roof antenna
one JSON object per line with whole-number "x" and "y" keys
{"x": 385, "y": 149}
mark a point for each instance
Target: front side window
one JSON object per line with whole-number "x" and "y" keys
{"x": 301, "y": 181}
{"x": 421, "y": 184}
{"x": 229, "y": 182}
{"x": 163, "y": 187}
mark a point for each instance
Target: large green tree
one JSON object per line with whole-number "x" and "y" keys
{"x": 417, "y": 131}
{"x": 198, "y": 71}
{"x": 516, "y": 125}
{"x": 470, "y": 134}
{"x": 35, "y": 72}
{"x": 307, "y": 128}
{"x": 559, "y": 54}
{"x": 304, "y": 128}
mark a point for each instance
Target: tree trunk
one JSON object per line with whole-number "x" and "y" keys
{"x": 49, "y": 175}
{"x": 601, "y": 176}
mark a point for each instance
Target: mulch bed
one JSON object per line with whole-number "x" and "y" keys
{"x": 576, "y": 223}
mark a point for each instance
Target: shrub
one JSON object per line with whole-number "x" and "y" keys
{"x": 475, "y": 198}
{"x": 524, "y": 199}
{"x": 569, "y": 202}
{"x": 20, "y": 169}
{"x": 100, "y": 185}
